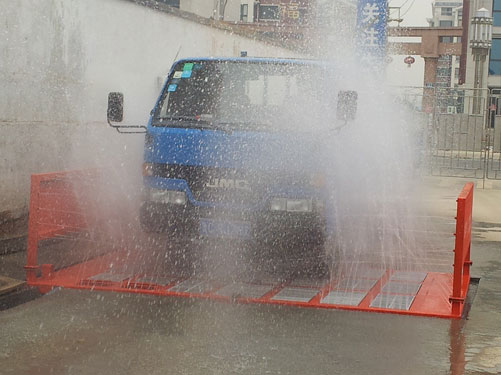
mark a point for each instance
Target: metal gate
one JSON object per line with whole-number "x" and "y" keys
{"x": 461, "y": 130}
{"x": 493, "y": 135}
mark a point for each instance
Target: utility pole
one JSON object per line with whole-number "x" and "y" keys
{"x": 398, "y": 19}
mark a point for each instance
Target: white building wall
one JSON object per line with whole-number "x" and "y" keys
{"x": 60, "y": 58}
{"x": 202, "y": 8}
{"x": 232, "y": 11}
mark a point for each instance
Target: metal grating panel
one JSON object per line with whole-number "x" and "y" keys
{"x": 308, "y": 282}
{"x": 244, "y": 290}
{"x": 393, "y": 301}
{"x": 295, "y": 294}
{"x": 394, "y": 287}
{"x": 108, "y": 276}
{"x": 411, "y": 276}
{"x": 356, "y": 284}
{"x": 369, "y": 273}
{"x": 343, "y": 298}
{"x": 193, "y": 286}
{"x": 266, "y": 279}
{"x": 164, "y": 281}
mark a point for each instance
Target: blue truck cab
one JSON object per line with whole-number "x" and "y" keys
{"x": 230, "y": 153}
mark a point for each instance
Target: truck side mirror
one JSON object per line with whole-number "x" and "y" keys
{"x": 347, "y": 105}
{"x": 115, "y": 106}
{"x": 115, "y": 113}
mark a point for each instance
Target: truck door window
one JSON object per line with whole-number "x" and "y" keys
{"x": 193, "y": 96}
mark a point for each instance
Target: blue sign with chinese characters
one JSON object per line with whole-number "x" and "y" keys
{"x": 372, "y": 19}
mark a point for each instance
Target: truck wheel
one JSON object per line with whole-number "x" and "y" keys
{"x": 332, "y": 257}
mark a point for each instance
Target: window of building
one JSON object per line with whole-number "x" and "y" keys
{"x": 445, "y": 23}
{"x": 496, "y": 12}
{"x": 446, "y": 39}
{"x": 495, "y": 60}
{"x": 269, "y": 12}
{"x": 244, "y": 12}
{"x": 446, "y": 11}
{"x": 494, "y": 104}
{"x": 443, "y": 72}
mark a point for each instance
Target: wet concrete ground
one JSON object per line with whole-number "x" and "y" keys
{"x": 481, "y": 333}
{"x": 75, "y": 332}
{"x": 83, "y": 332}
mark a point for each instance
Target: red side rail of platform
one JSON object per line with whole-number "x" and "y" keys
{"x": 462, "y": 261}
{"x": 54, "y": 209}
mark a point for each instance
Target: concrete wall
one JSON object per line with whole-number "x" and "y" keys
{"x": 60, "y": 58}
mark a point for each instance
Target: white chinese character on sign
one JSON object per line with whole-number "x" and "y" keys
{"x": 370, "y": 13}
{"x": 371, "y": 37}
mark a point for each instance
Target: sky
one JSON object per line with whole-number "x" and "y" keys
{"x": 415, "y": 13}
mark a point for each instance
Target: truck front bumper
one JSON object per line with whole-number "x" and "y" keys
{"x": 272, "y": 227}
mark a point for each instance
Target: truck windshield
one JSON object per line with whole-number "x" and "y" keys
{"x": 238, "y": 94}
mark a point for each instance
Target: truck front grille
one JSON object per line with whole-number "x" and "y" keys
{"x": 218, "y": 185}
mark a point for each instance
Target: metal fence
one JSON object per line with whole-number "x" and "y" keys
{"x": 461, "y": 130}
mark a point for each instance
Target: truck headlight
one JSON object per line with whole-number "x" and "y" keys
{"x": 168, "y": 196}
{"x": 177, "y": 197}
{"x": 278, "y": 204}
{"x": 291, "y": 205}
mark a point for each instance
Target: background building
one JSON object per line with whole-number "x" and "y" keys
{"x": 494, "y": 77}
{"x": 295, "y": 21}
{"x": 493, "y": 62}
{"x": 448, "y": 13}
{"x": 490, "y": 82}
{"x": 285, "y": 21}
{"x": 281, "y": 13}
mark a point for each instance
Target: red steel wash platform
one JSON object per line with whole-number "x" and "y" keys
{"x": 59, "y": 208}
